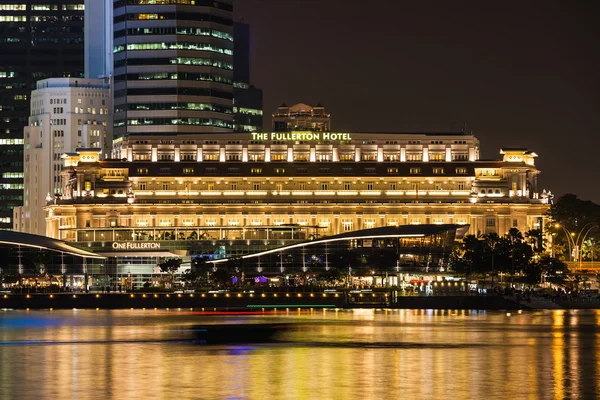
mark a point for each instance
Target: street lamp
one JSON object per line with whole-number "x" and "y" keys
{"x": 576, "y": 245}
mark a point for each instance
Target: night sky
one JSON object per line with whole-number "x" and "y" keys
{"x": 518, "y": 73}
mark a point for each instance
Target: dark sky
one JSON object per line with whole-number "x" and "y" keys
{"x": 518, "y": 73}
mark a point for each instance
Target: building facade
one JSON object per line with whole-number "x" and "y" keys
{"x": 247, "y": 99}
{"x": 301, "y": 117}
{"x": 225, "y": 195}
{"x": 98, "y": 38}
{"x": 66, "y": 114}
{"x": 38, "y": 40}
{"x": 173, "y": 66}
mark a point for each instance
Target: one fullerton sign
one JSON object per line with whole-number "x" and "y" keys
{"x": 303, "y": 136}
{"x": 135, "y": 246}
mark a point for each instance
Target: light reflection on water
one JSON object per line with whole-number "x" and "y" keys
{"x": 366, "y": 354}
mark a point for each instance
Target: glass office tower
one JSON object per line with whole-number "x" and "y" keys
{"x": 38, "y": 39}
{"x": 173, "y": 66}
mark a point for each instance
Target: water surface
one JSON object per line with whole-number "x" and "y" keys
{"x": 361, "y": 354}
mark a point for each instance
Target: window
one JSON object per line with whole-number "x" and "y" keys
{"x": 142, "y": 186}
{"x": 234, "y": 186}
{"x": 460, "y": 186}
{"x": 347, "y": 186}
{"x": 490, "y": 222}
{"x": 188, "y": 171}
{"x": 369, "y": 185}
{"x": 142, "y": 171}
{"x": 256, "y": 186}
{"x": 370, "y": 170}
{"x": 415, "y": 171}
{"x": 256, "y": 171}
{"x": 324, "y": 186}
{"x": 437, "y": 156}
{"x": 515, "y": 223}
{"x": 279, "y": 171}
{"x": 414, "y": 156}
{"x": 392, "y": 186}
{"x": 392, "y": 170}
{"x": 347, "y": 225}
{"x": 461, "y": 171}
{"x": 438, "y": 171}
{"x": 165, "y": 186}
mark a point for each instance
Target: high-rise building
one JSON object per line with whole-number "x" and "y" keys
{"x": 173, "y": 66}
{"x": 66, "y": 114}
{"x": 38, "y": 40}
{"x": 98, "y": 38}
{"x": 301, "y": 117}
{"x": 247, "y": 99}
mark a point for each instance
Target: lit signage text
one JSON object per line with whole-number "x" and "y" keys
{"x": 135, "y": 246}
{"x": 302, "y": 136}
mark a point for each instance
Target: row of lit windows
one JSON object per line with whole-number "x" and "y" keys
{"x": 247, "y": 111}
{"x": 207, "y": 3}
{"x": 173, "y": 46}
{"x": 207, "y": 62}
{"x": 182, "y": 76}
{"x": 175, "y": 31}
{"x": 11, "y": 186}
{"x": 5, "y": 142}
{"x": 180, "y": 106}
{"x": 180, "y": 121}
{"x": 41, "y": 7}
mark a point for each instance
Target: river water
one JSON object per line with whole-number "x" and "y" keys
{"x": 344, "y": 354}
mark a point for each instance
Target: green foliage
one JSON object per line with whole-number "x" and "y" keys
{"x": 490, "y": 253}
{"x": 170, "y": 266}
{"x": 578, "y": 217}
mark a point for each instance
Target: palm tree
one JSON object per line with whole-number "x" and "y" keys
{"x": 492, "y": 240}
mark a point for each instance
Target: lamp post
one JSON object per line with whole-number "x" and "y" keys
{"x": 575, "y": 244}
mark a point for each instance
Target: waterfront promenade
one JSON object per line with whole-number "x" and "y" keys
{"x": 257, "y": 301}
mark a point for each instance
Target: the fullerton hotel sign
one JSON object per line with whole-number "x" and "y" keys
{"x": 136, "y": 245}
{"x": 303, "y": 136}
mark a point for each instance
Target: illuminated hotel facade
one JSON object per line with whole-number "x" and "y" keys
{"x": 247, "y": 192}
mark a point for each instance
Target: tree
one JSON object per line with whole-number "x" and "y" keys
{"x": 170, "y": 266}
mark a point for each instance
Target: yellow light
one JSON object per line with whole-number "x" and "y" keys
{"x": 263, "y": 295}
{"x": 203, "y": 295}
{"x": 155, "y": 296}
{"x": 287, "y": 295}
{"x": 324, "y": 294}
{"x": 168, "y": 295}
{"x": 51, "y": 296}
{"x": 74, "y": 296}
{"x": 299, "y": 294}
{"x": 97, "y": 296}
{"x": 239, "y": 295}
{"x": 274, "y": 294}
{"x": 28, "y": 296}
{"x": 214, "y": 295}
{"x": 227, "y": 295}
{"x": 191, "y": 295}
{"x": 312, "y": 295}
{"x": 131, "y": 296}
{"x": 179, "y": 295}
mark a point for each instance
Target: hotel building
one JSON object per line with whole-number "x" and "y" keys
{"x": 235, "y": 194}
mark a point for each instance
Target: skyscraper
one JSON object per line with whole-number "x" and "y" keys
{"x": 38, "y": 40}
{"x": 66, "y": 114}
{"x": 98, "y": 38}
{"x": 247, "y": 100}
{"x": 173, "y": 66}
